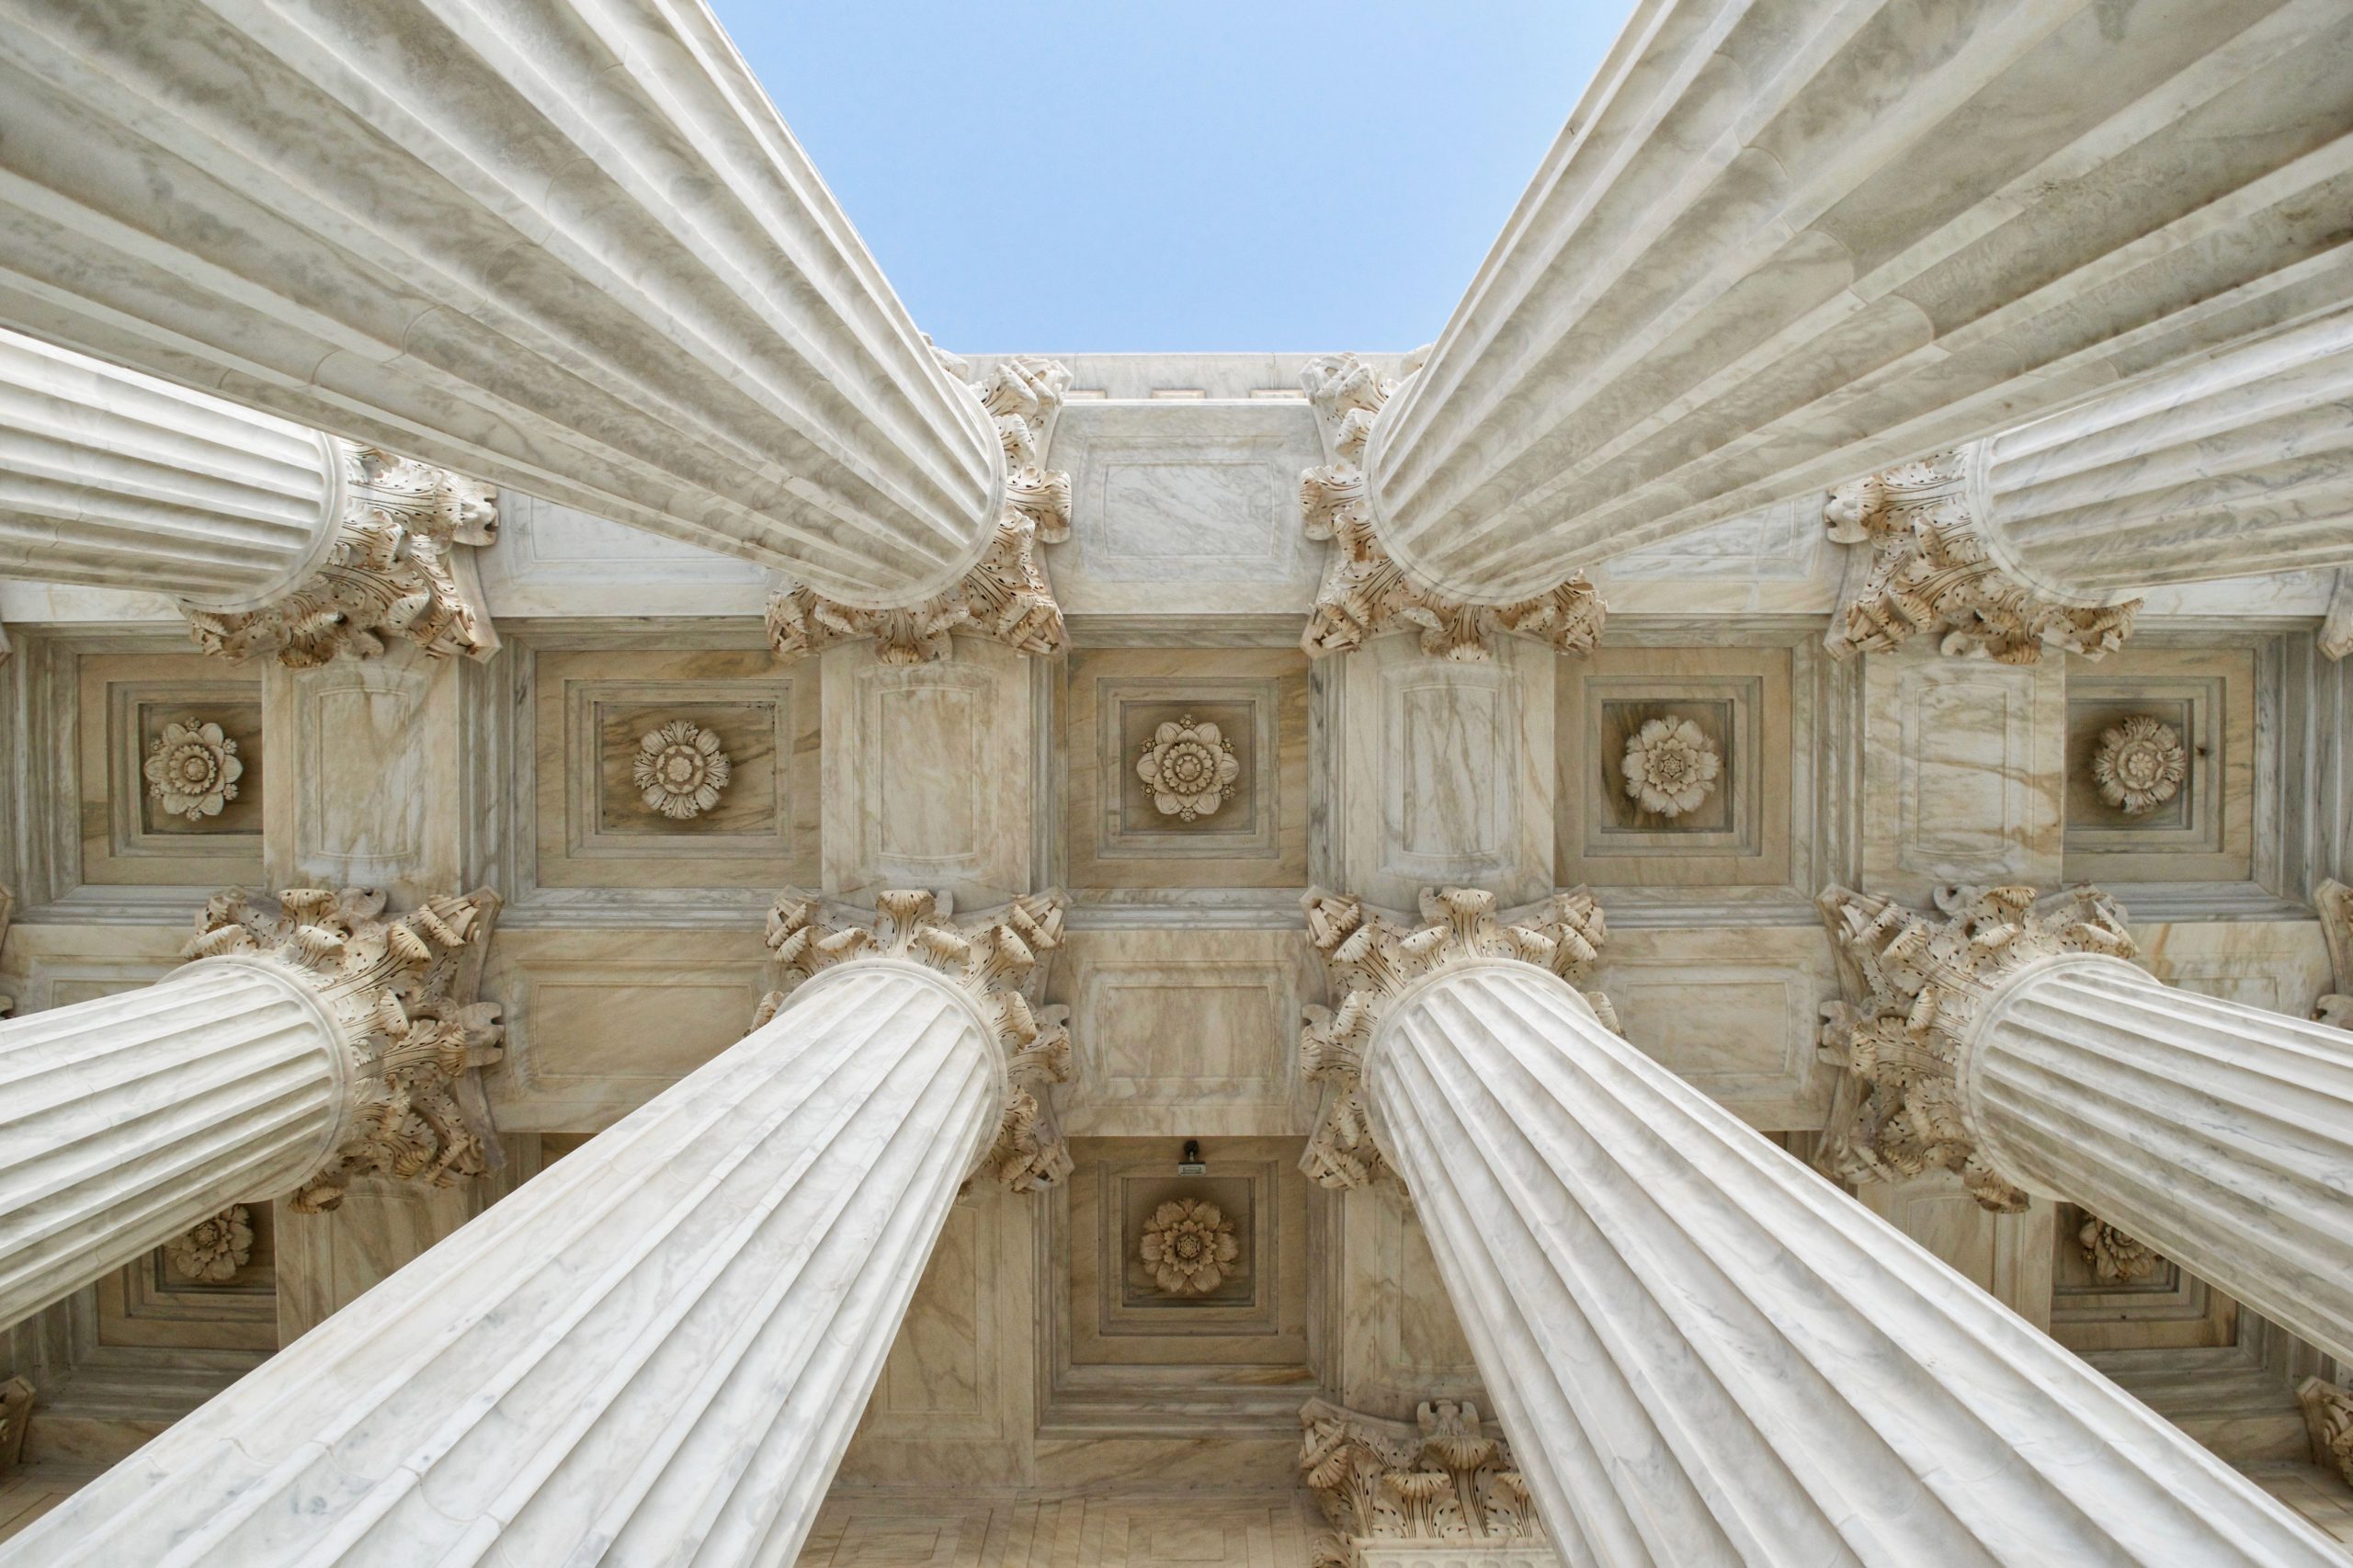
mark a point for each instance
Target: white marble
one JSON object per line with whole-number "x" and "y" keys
{"x": 1704, "y": 1354}
{"x": 655, "y": 1349}
{"x": 2219, "y": 1133}
{"x": 1784, "y": 242}
{"x": 2235, "y": 463}
{"x": 127, "y": 1119}
{"x": 567, "y": 248}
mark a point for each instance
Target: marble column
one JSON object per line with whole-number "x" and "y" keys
{"x": 565, "y": 246}
{"x": 2010, "y": 1040}
{"x": 2231, "y": 464}
{"x": 275, "y": 539}
{"x": 1701, "y": 1352}
{"x": 308, "y": 1041}
{"x": 1784, "y": 242}
{"x": 656, "y": 1349}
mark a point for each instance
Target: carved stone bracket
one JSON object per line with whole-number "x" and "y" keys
{"x": 401, "y": 989}
{"x": 2332, "y": 899}
{"x": 1917, "y": 985}
{"x": 2328, "y": 1421}
{"x": 398, "y": 567}
{"x": 995, "y": 957}
{"x": 1441, "y": 1480}
{"x": 1005, "y": 595}
{"x": 1365, "y": 591}
{"x": 1931, "y": 571}
{"x": 1372, "y": 960}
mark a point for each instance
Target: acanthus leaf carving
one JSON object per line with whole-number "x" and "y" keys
{"x": 400, "y": 990}
{"x": 1442, "y": 1479}
{"x": 1919, "y": 984}
{"x": 1005, "y": 595}
{"x": 1372, "y": 958}
{"x": 2334, "y": 902}
{"x": 1365, "y": 591}
{"x": 2328, "y": 1423}
{"x": 995, "y": 957}
{"x": 395, "y": 570}
{"x": 1930, "y": 571}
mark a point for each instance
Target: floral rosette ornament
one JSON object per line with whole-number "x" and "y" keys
{"x": 680, "y": 769}
{"x": 212, "y": 1251}
{"x": 2140, "y": 764}
{"x": 1189, "y": 768}
{"x": 193, "y": 769}
{"x": 1189, "y": 1247}
{"x": 1669, "y": 767}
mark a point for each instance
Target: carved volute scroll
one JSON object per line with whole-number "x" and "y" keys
{"x": 1444, "y": 1479}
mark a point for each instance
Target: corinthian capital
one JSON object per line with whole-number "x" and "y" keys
{"x": 1931, "y": 570}
{"x": 1440, "y": 1482}
{"x": 1006, "y": 595}
{"x": 1917, "y": 985}
{"x": 1372, "y": 960}
{"x": 996, "y": 959}
{"x": 1365, "y": 590}
{"x": 400, "y": 567}
{"x": 399, "y": 990}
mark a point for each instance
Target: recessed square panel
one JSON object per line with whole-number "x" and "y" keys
{"x": 199, "y": 768}
{"x": 667, "y": 738}
{"x": 2162, "y": 758}
{"x": 1685, "y": 757}
{"x": 170, "y": 770}
{"x": 1189, "y": 1218}
{"x": 1188, "y": 745}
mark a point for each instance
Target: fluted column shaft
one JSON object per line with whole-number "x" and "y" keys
{"x": 2218, "y": 1134}
{"x": 117, "y": 481}
{"x": 1704, "y": 1354}
{"x": 1784, "y": 242}
{"x": 564, "y": 245}
{"x": 2237, "y": 463}
{"x": 125, "y": 1120}
{"x": 653, "y": 1352}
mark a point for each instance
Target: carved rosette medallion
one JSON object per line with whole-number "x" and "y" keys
{"x": 395, "y": 569}
{"x": 679, "y": 769}
{"x": 1931, "y": 571}
{"x": 2140, "y": 764}
{"x": 1189, "y": 1246}
{"x": 1921, "y": 984}
{"x": 212, "y": 1251}
{"x": 1669, "y": 767}
{"x": 2328, "y": 1421}
{"x": 400, "y": 989}
{"x": 1365, "y": 590}
{"x": 192, "y": 769}
{"x": 995, "y": 957}
{"x": 1005, "y": 595}
{"x": 1189, "y": 768}
{"x": 1371, "y": 960}
{"x": 1442, "y": 1479}
{"x": 2115, "y": 1257}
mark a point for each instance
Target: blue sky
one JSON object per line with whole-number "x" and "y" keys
{"x": 1194, "y": 175}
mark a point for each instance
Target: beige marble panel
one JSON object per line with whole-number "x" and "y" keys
{"x": 1117, "y": 837}
{"x": 2206, "y": 832}
{"x": 123, "y": 702}
{"x": 147, "y": 1302}
{"x": 1185, "y": 1033}
{"x": 1401, "y": 1341}
{"x": 928, "y": 772}
{"x": 1963, "y": 769}
{"x": 46, "y": 965}
{"x": 2007, "y": 1256}
{"x": 598, "y": 1022}
{"x": 1269, "y": 1527}
{"x": 326, "y": 1261}
{"x": 2167, "y": 1309}
{"x": 1448, "y": 772}
{"x": 1735, "y": 1012}
{"x": 363, "y": 786}
{"x": 2278, "y": 964}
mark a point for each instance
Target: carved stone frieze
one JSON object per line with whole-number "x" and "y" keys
{"x": 193, "y": 769}
{"x": 1917, "y": 985}
{"x": 1372, "y": 958}
{"x": 393, "y": 569}
{"x": 401, "y": 988}
{"x": 2140, "y": 764}
{"x": 1189, "y": 1246}
{"x": 212, "y": 1251}
{"x": 1931, "y": 571}
{"x": 2328, "y": 1421}
{"x": 1005, "y": 595}
{"x": 995, "y": 957}
{"x": 1365, "y": 591}
{"x": 1443, "y": 1480}
{"x": 679, "y": 769}
{"x": 2115, "y": 1257}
